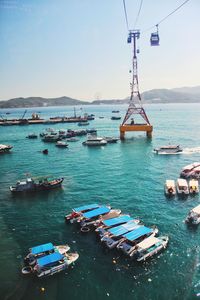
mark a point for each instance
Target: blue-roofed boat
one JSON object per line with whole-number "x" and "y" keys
{"x": 130, "y": 240}
{"x": 149, "y": 247}
{"x": 107, "y": 224}
{"x": 114, "y": 235}
{"x": 51, "y": 264}
{"x": 77, "y": 212}
{"x": 42, "y": 250}
{"x": 93, "y": 222}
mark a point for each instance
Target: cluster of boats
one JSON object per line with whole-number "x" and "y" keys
{"x": 36, "y": 184}
{"x": 47, "y": 259}
{"x": 120, "y": 231}
{"x": 182, "y": 187}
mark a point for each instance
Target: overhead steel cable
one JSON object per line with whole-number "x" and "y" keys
{"x": 137, "y": 17}
{"x": 125, "y": 12}
{"x": 162, "y": 20}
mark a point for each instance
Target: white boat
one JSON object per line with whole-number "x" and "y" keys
{"x": 149, "y": 247}
{"x": 86, "y": 224}
{"x": 170, "y": 149}
{"x": 130, "y": 240}
{"x": 182, "y": 187}
{"x": 188, "y": 170}
{"x": 110, "y": 139}
{"x": 95, "y": 141}
{"x": 54, "y": 263}
{"x": 43, "y": 250}
{"x": 5, "y": 148}
{"x": 170, "y": 188}
{"x": 61, "y": 144}
{"x": 194, "y": 216}
{"x": 78, "y": 211}
{"x": 193, "y": 186}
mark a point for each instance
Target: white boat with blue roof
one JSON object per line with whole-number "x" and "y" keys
{"x": 78, "y": 211}
{"x": 130, "y": 240}
{"x": 42, "y": 250}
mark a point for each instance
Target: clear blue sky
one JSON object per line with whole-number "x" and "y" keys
{"x": 78, "y": 48}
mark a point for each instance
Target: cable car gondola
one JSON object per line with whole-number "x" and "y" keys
{"x": 154, "y": 40}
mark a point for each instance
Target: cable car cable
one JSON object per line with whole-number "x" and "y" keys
{"x": 125, "y": 12}
{"x": 137, "y": 17}
{"x": 175, "y": 10}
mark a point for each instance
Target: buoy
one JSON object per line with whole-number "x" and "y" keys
{"x": 27, "y": 270}
{"x": 42, "y": 289}
{"x": 85, "y": 229}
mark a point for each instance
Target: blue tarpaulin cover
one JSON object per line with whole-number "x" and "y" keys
{"x": 49, "y": 259}
{"x": 135, "y": 234}
{"x": 42, "y": 248}
{"x": 96, "y": 212}
{"x": 122, "y": 229}
{"x": 85, "y": 207}
{"x": 118, "y": 220}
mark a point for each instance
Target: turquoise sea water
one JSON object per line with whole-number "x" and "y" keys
{"x": 127, "y": 175}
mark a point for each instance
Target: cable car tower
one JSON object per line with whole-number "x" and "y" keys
{"x": 135, "y": 105}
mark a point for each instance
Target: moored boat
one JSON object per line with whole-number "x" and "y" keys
{"x": 115, "y": 235}
{"x": 61, "y": 144}
{"x": 149, "y": 247}
{"x": 170, "y": 188}
{"x": 36, "y": 184}
{"x": 189, "y": 170}
{"x": 110, "y": 139}
{"x": 115, "y": 118}
{"x": 170, "y": 149}
{"x": 131, "y": 239}
{"x": 182, "y": 187}
{"x": 5, "y": 148}
{"x": 83, "y": 123}
{"x": 193, "y": 186}
{"x": 193, "y": 216}
{"x": 51, "y": 264}
{"x": 32, "y": 136}
{"x": 77, "y": 212}
{"x": 42, "y": 250}
{"x": 95, "y": 141}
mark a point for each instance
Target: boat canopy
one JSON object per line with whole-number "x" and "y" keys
{"x": 96, "y": 212}
{"x": 182, "y": 182}
{"x": 85, "y": 207}
{"x": 42, "y": 248}
{"x": 118, "y": 220}
{"x": 122, "y": 229}
{"x": 148, "y": 242}
{"x": 135, "y": 234}
{"x": 49, "y": 259}
{"x": 196, "y": 210}
{"x": 170, "y": 183}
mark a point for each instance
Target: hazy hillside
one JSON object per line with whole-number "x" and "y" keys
{"x": 178, "y": 95}
{"x": 39, "y": 101}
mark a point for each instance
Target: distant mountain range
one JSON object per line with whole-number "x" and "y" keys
{"x": 177, "y": 95}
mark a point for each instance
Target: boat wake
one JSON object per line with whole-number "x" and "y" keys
{"x": 191, "y": 150}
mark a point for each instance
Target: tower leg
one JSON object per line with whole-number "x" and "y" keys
{"x": 149, "y": 134}
{"x": 122, "y": 135}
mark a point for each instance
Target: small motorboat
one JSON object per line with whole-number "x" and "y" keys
{"x": 149, "y": 247}
{"x": 5, "y": 148}
{"x": 42, "y": 250}
{"x": 83, "y": 123}
{"x": 45, "y": 151}
{"x": 170, "y": 188}
{"x": 95, "y": 141}
{"x": 61, "y": 144}
{"x": 36, "y": 184}
{"x": 72, "y": 139}
{"x": 193, "y": 216}
{"x": 111, "y": 139}
{"x": 182, "y": 187}
{"x": 115, "y": 111}
{"x": 77, "y": 212}
{"x": 32, "y": 136}
{"x": 170, "y": 149}
{"x": 193, "y": 186}
{"x": 189, "y": 170}
{"x": 51, "y": 138}
{"x": 131, "y": 239}
{"x": 115, "y": 118}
